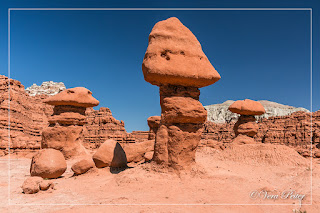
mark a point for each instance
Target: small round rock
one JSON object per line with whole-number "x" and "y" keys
{"x": 31, "y": 185}
{"x": 82, "y": 166}
{"x": 48, "y": 163}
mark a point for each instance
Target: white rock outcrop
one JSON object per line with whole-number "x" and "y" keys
{"x": 219, "y": 113}
{"x": 46, "y": 88}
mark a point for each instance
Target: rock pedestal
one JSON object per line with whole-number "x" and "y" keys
{"x": 65, "y": 131}
{"x": 175, "y": 62}
{"x": 246, "y": 127}
{"x": 181, "y": 126}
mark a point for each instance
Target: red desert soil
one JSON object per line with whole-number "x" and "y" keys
{"x": 219, "y": 177}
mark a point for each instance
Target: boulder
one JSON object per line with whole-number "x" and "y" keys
{"x": 135, "y": 152}
{"x": 48, "y": 163}
{"x": 148, "y": 156}
{"x": 82, "y": 166}
{"x": 31, "y": 185}
{"x": 110, "y": 154}
{"x": 317, "y": 154}
{"x": 46, "y": 184}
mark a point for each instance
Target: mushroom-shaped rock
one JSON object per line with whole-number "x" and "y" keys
{"x": 175, "y": 62}
{"x": 174, "y": 56}
{"x": 246, "y": 127}
{"x": 247, "y": 107}
{"x": 48, "y": 163}
{"x": 65, "y": 131}
{"x": 78, "y": 96}
{"x": 111, "y": 154}
{"x": 82, "y": 166}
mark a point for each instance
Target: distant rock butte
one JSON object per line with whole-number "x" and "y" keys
{"x": 46, "y": 88}
{"x": 219, "y": 113}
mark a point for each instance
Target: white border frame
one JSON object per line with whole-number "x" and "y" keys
{"x": 158, "y": 9}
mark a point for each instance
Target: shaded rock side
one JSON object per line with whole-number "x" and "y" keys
{"x": 110, "y": 154}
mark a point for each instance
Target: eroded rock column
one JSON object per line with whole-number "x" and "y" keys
{"x": 182, "y": 120}
{"x": 65, "y": 131}
{"x": 175, "y": 62}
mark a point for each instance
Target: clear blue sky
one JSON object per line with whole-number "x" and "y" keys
{"x": 261, "y": 55}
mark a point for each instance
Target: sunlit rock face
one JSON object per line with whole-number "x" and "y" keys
{"x": 175, "y": 62}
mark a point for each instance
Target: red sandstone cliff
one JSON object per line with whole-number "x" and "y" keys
{"x": 29, "y": 115}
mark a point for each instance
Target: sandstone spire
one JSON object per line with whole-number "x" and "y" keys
{"x": 175, "y": 62}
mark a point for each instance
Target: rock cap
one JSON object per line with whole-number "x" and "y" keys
{"x": 174, "y": 56}
{"x": 78, "y": 96}
{"x": 247, "y": 107}
{"x": 154, "y": 121}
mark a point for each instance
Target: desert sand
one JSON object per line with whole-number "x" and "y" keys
{"x": 220, "y": 181}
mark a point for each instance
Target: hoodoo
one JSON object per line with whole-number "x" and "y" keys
{"x": 65, "y": 131}
{"x": 175, "y": 62}
{"x": 246, "y": 127}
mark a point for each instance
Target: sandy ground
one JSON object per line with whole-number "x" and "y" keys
{"x": 221, "y": 181}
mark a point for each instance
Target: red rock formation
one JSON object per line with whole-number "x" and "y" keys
{"x": 138, "y": 136}
{"x": 246, "y": 127}
{"x": 48, "y": 163}
{"x": 101, "y": 126}
{"x": 247, "y": 107}
{"x": 28, "y": 116}
{"x": 293, "y": 130}
{"x": 174, "y": 56}
{"x": 65, "y": 131}
{"x": 175, "y": 62}
{"x": 153, "y": 123}
{"x": 110, "y": 154}
{"x": 82, "y": 166}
